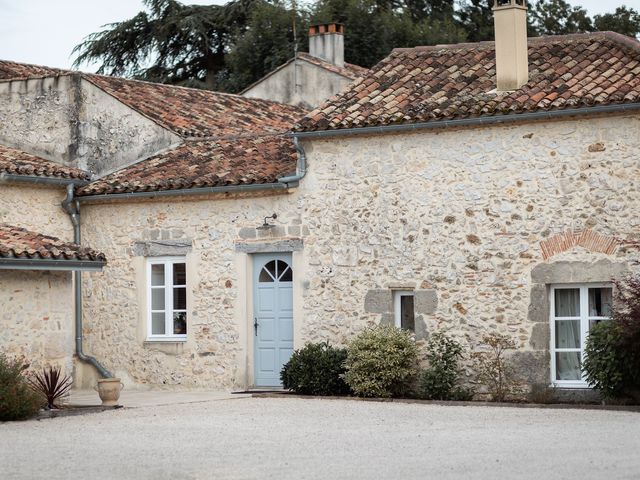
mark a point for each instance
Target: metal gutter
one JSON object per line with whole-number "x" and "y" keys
{"x": 62, "y": 182}
{"x": 182, "y": 192}
{"x": 72, "y": 207}
{"x": 48, "y": 264}
{"x": 465, "y": 122}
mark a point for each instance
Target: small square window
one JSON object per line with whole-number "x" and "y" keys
{"x": 167, "y": 299}
{"x": 404, "y": 310}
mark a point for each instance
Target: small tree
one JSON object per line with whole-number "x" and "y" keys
{"x": 493, "y": 368}
{"x": 440, "y": 380}
{"x": 381, "y": 362}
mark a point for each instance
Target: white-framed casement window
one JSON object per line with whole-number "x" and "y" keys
{"x": 404, "y": 314}
{"x": 575, "y": 308}
{"x": 167, "y": 299}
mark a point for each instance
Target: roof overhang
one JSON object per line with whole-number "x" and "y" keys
{"x": 56, "y": 181}
{"x": 11, "y": 263}
{"x": 475, "y": 121}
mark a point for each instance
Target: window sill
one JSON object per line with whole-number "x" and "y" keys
{"x": 181, "y": 339}
{"x": 578, "y": 386}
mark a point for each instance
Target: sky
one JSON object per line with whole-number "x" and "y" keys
{"x": 44, "y": 32}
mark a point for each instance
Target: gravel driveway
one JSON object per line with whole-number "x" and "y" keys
{"x": 295, "y": 438}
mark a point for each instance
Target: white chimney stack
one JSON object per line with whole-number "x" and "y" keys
{"x": 326, "y": 41}
{"x": 512, "y": 58}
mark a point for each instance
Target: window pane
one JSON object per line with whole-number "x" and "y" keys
{"x": 180, "y": 298}
{"x": 157, "y": 323}
{"x": 593, "y": 323}
{"x": 567, "y": 333}
{"x": 600, "y": 300}
{"x": 157, "y": 275}
{"x": 407, "y": 320}
{"x": 287, "y": 276}
{"x": 180, "y": 323}
{"x": 568, "y": 366}
{"x": 567, "y": 302}
{"x": 157, "y": 299}
{"x": 179, "y": 274}
{"x": 265, "y": 276}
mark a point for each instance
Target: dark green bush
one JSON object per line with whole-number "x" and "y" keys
{"x": 606, "y": 364}
{"x": 612, "y": 363}
{"x": 440, "y": 380}
{"x": 316, "y": 369}
{"x": 381, "y": 362}
{"x": 17, "y": 400}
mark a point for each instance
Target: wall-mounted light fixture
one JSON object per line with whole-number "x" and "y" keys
{"x": 266, "y": 225}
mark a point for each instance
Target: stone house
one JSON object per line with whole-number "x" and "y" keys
{"x": 475, "y": 188}
{"x": 309, "y": 79}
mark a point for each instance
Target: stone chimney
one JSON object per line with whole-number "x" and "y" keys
{"x": 326, "y": 41}
{"x": 512, "y": 58}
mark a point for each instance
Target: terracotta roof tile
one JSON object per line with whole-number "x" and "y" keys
{"x": 16, "y": 71}
{"x": 17, "y": 162}
{"x": 190, "y": 112}
{"x": 458, "y": 81}
{"x": 16, "y": 242}
{"x": 204, "y": 163}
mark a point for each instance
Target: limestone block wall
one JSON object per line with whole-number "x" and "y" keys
{"x": 213, "y": 234}
{"x": 464, "y": 212}
{"x": 36, "y": 319}
{"x": 459, "y": 216}
{"x": 69, "y": 120}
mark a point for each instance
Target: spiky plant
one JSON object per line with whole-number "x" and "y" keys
{"x": 51, "y": 384}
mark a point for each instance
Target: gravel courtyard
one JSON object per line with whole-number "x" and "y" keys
{"x": 291, "y": 438}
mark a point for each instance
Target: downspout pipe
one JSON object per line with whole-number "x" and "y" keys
{"x": 72, "y": 207}
{"x": 301, "y": 166}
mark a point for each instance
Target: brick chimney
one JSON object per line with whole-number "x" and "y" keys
{"x": 512, "y": 58}
{"x": 326, "y": 41}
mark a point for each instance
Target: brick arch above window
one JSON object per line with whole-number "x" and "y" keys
{"x": 588, "y": 239}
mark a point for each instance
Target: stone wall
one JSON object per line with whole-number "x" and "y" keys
{"x": 36, "y": 208}
{"x": 36, "y": 321}
{"x": 71, "y": 121}
{"x": 299, "y": 83}
{"x": 456, "y": 215}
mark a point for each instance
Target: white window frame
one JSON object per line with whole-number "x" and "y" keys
{"x": 584, "y": 328}
{"x": 168, "y": 287}
{"x": 397, "y": 305}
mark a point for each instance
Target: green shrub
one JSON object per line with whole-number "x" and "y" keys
{"x": 493, "y": 369}
{"x": 606, "y": 364}
{"x": 381, "y": 362}
{"x": 612, "y": 351}
{"x": 316, "y": 369}
{"x": 17, "y": 400}
{"x": 440, "y": 381}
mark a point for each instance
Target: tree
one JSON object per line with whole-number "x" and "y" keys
{"x": 268, "y": 42}
{"x": 172, "y": 43}
{"x": 624, "y": 20}
{"x": 476, "y": 18}
{"x": 557, "y": 17}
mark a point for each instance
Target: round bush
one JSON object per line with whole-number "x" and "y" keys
{"x": 381, "y": 362}
{"x": 440, "y": 381}
{"x": 17, "y": 400}
{"x": 316, "y": 369}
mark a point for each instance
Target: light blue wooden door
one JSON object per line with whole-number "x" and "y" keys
{"x": 273, "y": 316}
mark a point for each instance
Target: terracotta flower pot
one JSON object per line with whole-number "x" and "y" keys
{"x": 109, "y": 391}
